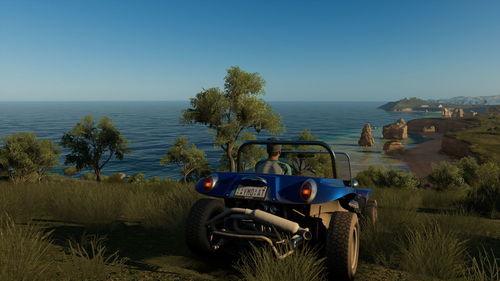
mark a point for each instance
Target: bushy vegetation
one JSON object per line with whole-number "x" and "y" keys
{"x": 484, "y": 194}
{"x": 475, "y": 187}
{"x": 25, "y": 158}
{"x": 384, "y": 177}
{"x": 445, "y": 176}
{"x": 190, "y": 160}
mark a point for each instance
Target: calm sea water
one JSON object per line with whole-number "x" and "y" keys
{"x": 152, "y": 126}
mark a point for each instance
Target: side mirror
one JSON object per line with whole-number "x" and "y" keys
{"x": 354, "y": 183}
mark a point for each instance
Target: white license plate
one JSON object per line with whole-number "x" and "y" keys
{"x": 251, "y": 191}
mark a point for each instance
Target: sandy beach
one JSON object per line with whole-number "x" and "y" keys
{"x": 420, "y": 158}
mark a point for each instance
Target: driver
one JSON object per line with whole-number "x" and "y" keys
{"x": 272, "y": 165}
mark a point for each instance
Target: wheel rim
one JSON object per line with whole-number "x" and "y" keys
{"x": 354, "y": 249}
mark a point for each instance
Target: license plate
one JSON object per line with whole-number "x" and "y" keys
{"x": 257, "y": 192}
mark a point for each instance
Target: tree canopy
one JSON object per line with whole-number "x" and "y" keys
{"x": 190, "y": 160}
{"x": 233, "y": 110}
{"x": 23, "y": 156}
{"x": 93, "y": 145}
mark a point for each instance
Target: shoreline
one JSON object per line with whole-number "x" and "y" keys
{"x": 420, "y": 158}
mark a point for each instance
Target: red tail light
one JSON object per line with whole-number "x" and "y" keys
{"x": 209, "y": 183}
{"x": 308, "y": 190}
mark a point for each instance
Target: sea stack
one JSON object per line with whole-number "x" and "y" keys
{"x": 398, "y": 130}
{"x": 366, "y": 138}
{"x": 393, "y": 147}
{"x": 458, "y": 113}
{"x": 446, "y": 113}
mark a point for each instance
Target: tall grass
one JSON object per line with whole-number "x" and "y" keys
{"x": 162, "y": 205}
{"x": 261, "y": 264}
{"x": 22, "y": 252}
{"x": 485, "y": 267}
{"x": 93, "y": 205}
{"x": 88, "y": 259}
{"x": 428, "y": 250}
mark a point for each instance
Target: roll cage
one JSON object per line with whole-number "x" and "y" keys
{"x": 297, "y": 143}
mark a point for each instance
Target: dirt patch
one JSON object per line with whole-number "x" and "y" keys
{"x": 420, "y": 159}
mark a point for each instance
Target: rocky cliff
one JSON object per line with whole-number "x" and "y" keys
{"x": 397, "y": 130}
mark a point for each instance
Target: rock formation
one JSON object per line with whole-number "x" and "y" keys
{"x": 458, "y": 113}
{"x": 446, "y": 113}
{"x": 429, "y": 129}
{"x": 366, "y": 138}
{"x": 398, "y": 130}
{"x": 471, "y": 114}
{"x": 393, "y": 147}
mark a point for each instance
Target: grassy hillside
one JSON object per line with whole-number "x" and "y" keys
{"x": 484, "y": 138}
{"x": 88, "y": 231}
{"x": 406, "y": 103}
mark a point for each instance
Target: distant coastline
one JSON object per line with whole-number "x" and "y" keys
{"x": 478, "y": 104}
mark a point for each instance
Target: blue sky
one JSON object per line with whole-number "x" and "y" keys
{"x": 306, "y": 50}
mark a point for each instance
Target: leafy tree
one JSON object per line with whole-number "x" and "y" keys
{"x": 319, "y": 164}
{"x": 233, "y": 110}
{"x": 190, "y": 160}
{"x": 94, "y": 145}
{"x": 250, "y": 155}
{"x": 23, "y": 155}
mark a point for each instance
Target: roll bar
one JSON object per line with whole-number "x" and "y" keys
{"x": 289, "y": 142}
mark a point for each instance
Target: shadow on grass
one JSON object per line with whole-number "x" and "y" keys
{"x": 477, "y": 242}
{"x": 135, "y": 243}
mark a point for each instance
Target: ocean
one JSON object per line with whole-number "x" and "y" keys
{"x": 152, "y": 127}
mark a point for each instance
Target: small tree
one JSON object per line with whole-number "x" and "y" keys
{"x": 234, "y": 110}
{"x": 190, "y": 160}
{"x": 94, "y": 145}
{"x": 23, "y": 155}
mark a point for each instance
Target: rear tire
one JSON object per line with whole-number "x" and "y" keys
{"x": 342, "y": 246}
{"x": 198, "y": 238}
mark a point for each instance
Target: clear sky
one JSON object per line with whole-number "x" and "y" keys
{"x": 372, "y": 50}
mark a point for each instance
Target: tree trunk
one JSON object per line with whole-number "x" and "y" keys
{"x": 185, "y": 178}
{"x": 98, "y": 175}
{"x": 229, "y": 152}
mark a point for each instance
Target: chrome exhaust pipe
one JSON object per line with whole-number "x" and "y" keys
{"x": 279, "y": 222}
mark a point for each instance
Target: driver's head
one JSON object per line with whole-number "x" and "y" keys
{"x": 273, "y": 150}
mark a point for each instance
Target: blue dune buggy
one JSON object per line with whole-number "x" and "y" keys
{"x": 284, "y": 209}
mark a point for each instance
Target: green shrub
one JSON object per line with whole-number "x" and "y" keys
{"x": 430, "y": 251}
{"x": 445, "y": 176}
{"x": 22, "y": 252}
{"x": 137, "y": 178}
{"x": 484, "y": 197}
{"x": 262, "y": 265}
{"x": 89, "y": 177}
{"x": 116, "y": 178}
{"x": 468, "y": 169}
{"x": 70, "y": 171}
{"x": 382, "y": 177}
